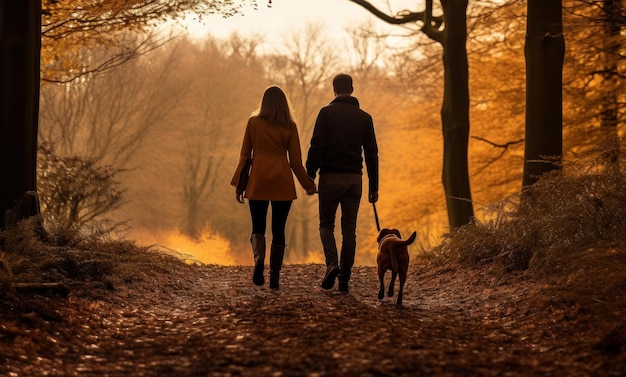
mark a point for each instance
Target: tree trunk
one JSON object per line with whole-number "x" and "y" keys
{"x": 20, "y": 44}
{"x": 544, "y": 51}
{"x": 192, "y": 224}
{"x": 455, "y": 107}
{"x": 455, "y": 114}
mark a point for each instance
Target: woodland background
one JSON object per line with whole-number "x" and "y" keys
{"x": 139, "y": 132}
{"x": 161, "y": 115}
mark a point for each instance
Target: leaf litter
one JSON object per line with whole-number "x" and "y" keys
{"x": 209, "y": 320}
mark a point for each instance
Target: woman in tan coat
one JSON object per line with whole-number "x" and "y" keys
{"x": 271, "y": 141}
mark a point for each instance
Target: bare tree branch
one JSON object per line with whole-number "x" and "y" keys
{"x": 505, "y": 145}
{"x": 430, "y": 27}
{"x": 150, "y": 43}
{"x": 403, "y": 17}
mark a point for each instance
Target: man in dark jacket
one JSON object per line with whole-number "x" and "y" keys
{"x": 343, "y": 134}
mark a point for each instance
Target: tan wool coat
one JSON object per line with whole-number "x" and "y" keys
{"x": 275, "y": 152}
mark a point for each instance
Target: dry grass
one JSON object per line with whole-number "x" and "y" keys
{"x": 577, "y": 207}
{"x": 85, "y": 264}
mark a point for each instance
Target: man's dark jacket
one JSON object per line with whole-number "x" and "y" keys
{"x": 343, "y": 134}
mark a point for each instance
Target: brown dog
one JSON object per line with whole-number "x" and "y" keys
{"x": 393, "y": 254}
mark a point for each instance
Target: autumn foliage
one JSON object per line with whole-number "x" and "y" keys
{"x": 214, "y": 85}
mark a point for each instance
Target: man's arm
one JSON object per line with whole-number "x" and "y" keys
{"x": 370, "y": 151}
{"x": 317, "y": 148}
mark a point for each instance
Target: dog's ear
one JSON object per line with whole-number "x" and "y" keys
{"x": 383, "y": 232}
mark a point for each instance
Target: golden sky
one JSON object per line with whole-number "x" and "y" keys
{"x": 286, "y": 15}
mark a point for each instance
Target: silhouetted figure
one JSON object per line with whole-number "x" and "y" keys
{"x": 272, "y": 144}
{"x": 343, "y": 134}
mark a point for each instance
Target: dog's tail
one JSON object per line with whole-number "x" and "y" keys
{"x": 394, "y": 257}
{"x": 409, "y": 240}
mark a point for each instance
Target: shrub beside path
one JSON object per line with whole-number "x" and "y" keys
{"x": 183, "y": 320}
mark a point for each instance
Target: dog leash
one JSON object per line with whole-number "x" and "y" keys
{"x": 376, "y": 217}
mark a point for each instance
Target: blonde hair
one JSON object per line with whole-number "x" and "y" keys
{"x": 275, "y": 107}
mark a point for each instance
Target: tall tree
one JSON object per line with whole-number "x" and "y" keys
{"x": 450, "y": 30}
{"x": 544, "y": 51}
{"x": 21, "y": 53}
{"x": 20, "y": 36}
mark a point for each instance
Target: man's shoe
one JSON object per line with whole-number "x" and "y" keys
{"x": 343, "y": 286}
{"x": 329, "y": 280}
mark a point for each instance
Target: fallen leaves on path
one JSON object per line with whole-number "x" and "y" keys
{"x": 212, "y": 321}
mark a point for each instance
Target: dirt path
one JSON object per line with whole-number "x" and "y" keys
{"x": 211, "y": 321}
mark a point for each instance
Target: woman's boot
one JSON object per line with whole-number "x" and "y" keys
{"x": 277, "y": 253}
{"x": 258, "y": 248}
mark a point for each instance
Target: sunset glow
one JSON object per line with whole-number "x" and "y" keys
{"x": 210, "y": 248}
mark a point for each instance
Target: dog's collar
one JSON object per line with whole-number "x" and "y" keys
{"x": 388, "y": 236}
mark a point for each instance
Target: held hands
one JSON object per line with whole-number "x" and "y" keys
{"x": 312, "y": 190}
{"x": 373, "y": 196}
